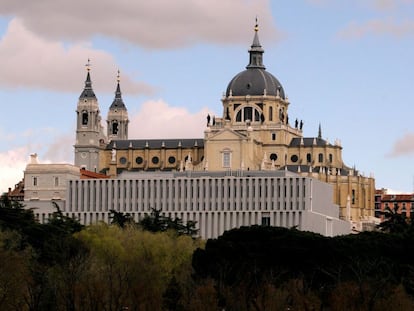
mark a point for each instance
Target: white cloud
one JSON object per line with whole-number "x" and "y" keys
{"x": 13, "y": 163}
{"x": 389, "y": 4}
{"x": 60, "y": 150}
{"x": 27, "y": 60}
{"x": 156, "y": 119}
{"x": 378, "y": 27}
{"x": 152, "y": 24}
{"x": 403, "y": 146}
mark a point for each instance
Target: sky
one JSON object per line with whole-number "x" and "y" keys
{"x": 347, "y": 65}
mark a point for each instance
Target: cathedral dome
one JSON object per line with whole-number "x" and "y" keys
{"x": 255, "y": 80}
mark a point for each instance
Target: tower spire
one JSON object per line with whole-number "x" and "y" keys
{"x": 87, "y": 90}
{"x": 256, "y": 51}
{"x": 118, "y": 101}
{"x": 117, "y": 121}
{"x": 320, "y": 131}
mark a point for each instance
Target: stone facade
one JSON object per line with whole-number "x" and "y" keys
{"x": 253, "y": 133}
{"x": 217, "y": 201}
{"x": 46, "y": 183}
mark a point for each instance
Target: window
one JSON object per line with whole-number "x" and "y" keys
{"x": 273, "y": 136}
{"x": 171, "y": 160}
{"x": 404, "y": 210}
{"x": 309, "y": 158}
{"x": 56, "y": 181}
{"x": 35, "y": 181}
{"x": 84, "y": 118}
{"x": 294, "y": 158}
{"x": 266, "y": 221}
{"x": 273, "y": 157}
{"x": 155, "y": 160}
{"x": 320, "y": 158}
{"x": 139, "y": 160}
{"x": 248, "y": 114}
{"x": 270, "y": 113}
{"x": 330, "y": 158}
{"x": 123, "y": 160}
{"x": 227, "y": 158}
{"x": 115, "y": 128}
{"x": 353, "y": 196}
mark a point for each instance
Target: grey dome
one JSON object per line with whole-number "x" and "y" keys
{"x": 253, "y": 81}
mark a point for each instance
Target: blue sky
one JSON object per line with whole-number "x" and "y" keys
{"x": 345, "y": 64}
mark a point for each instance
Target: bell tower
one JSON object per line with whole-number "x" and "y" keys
{"x": 89, "y": 131}
{"x": 117, "y": 122}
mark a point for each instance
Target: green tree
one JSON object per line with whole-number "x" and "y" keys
{"x": 13, "y": 216}
{"x": 394, "y": 222}
{"x": 132, "y": 268}
{"x": 121, "y": 219}
{"x": 157, "y": 222}
{"x": 172, "y": 296}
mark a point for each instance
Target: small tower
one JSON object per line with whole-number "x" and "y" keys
{"x": 89, "y": 130}
{"x": 117, "y": 121}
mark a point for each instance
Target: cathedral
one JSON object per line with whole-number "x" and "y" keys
{"x": 254, "y": 133}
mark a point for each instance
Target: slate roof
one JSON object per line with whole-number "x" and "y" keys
{"x": 87, "y": 91}
{"x": 118, "y": 103}
{"x": 155, "y": 143}
{"x": 255, "y": 79}
{"x": 308, "y": 142}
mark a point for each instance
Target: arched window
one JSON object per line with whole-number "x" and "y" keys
{"x": 248, "y": 113}
{"x": 320, "y": 158}
{"x": 308, "y": 157}
{"x": 270, "y": 113}
{"x": 330, "y": 158}
{"x": 84, "y": 118}
{"x": 115, "y": 128}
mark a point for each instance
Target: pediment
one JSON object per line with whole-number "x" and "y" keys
{"x": 227, "y": 134}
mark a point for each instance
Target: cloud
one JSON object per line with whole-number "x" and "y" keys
{"x": 403, "y": 146}
{"x": 319, "y": 2}
{"x": 29, "y": 61}
{"x": 13, "y": 163}
{"x": 385, "y": 5}
{"x": 151, "y": 24}
{"x": 156, "y": 119}
{"x": 61, "y": 149}
{"x": 378, "y": 27}
{"x": 50, "y": 147}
